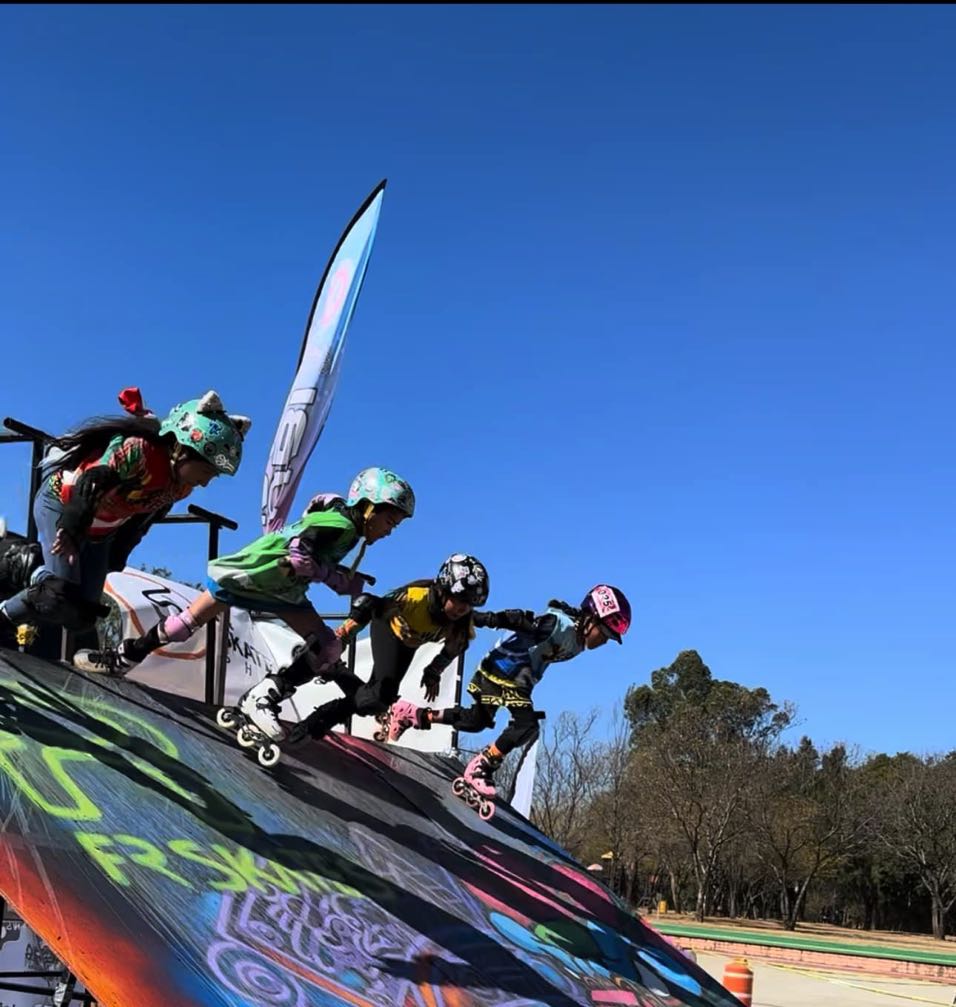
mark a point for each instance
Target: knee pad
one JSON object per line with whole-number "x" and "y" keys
{"x": 58, "y": 601}
{"x": 177, "y": 628}
{"x": 527, "y": 734}
{"x": 488, "y": 714}
{"x": 323, "y": 651}
{"x": 18, "y": 561}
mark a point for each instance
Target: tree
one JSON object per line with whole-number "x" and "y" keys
{"x": 733, "y": 711}
{"x": 698, "y": 744}
{"x": 808, "y": 816}
{"x": 920, "y": 826}
{"x": 568, "y": 776}
{"x": 617, "y": 821}
{"x": 874, "y": 888}
{"x": 698, "y": 781}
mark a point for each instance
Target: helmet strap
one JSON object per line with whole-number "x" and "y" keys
{"x": 183, "y": 452}
{"x": 586, "y": 623}
{"x": 358, "y": 558}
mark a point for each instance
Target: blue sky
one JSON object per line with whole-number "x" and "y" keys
{"x": 661, "y": 296}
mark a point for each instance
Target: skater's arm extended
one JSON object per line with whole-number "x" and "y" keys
{"x": 518, "y": 620}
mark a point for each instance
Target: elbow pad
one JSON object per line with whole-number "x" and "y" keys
{"x": 365, "y": 608}
{"x": 78, "y": 513}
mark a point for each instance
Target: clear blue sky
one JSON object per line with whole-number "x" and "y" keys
{"x": 661, "y": 296}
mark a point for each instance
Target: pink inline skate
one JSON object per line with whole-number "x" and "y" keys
{"x": 401, "y": 717}
{"x": 476, "y": 787}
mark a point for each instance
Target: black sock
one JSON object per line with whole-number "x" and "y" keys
{"x": 139, "y": 648}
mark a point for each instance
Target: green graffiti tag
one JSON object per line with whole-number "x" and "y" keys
{"x": 237, "y": 868}
{"x": 38, "y": 764}
{"x": 82, "y": 808}
{"x": 54, "y": 756}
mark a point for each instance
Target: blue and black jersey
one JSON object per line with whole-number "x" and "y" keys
{"x": 515, "y": 665}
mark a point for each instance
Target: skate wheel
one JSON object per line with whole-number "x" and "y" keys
{"x": 226, "y": 718}
{"x": 245, "y": 738}
{"x": 485, "y": 810}
{"x": 473, "y": 799}
{"x": 268, "y": 756}
{"x": 458, "y": 787}
{"x": 379, "y": 735}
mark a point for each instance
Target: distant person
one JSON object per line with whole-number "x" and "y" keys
{"x": 103, "y": 485}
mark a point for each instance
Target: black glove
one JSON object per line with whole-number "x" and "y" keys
{"x": 365, "y": 608}
{"x": 515, "y": 619}
{"x": 332, "y": 672}
{"x": 431, "y": 683}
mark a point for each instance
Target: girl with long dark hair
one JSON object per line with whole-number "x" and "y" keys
{"x": 102, "y": 487}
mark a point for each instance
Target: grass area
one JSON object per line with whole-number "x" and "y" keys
{"x": 767, "y": 930}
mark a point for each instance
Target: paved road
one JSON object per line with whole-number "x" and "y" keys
{"x": 775, "y": 986}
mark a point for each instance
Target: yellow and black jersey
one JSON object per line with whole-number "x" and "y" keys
{"x": 415, "y": 616}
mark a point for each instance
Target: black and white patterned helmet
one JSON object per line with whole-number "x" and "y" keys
{"x": 464, "y": 578}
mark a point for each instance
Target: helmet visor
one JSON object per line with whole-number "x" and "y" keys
{"x": 617, "y": 624}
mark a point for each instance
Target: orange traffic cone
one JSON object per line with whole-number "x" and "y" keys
{"x": 739, "y": 980}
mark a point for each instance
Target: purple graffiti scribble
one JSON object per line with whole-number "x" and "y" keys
{"x": 275, "y": 945}
{"x": 337, "y": 938}
{"x": 252, "y": 976}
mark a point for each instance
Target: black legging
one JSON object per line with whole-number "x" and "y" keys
{"x": 522, "y": 729}
{"x": 390, "y": 660}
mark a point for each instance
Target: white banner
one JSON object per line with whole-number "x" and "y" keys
{"x": 524, "y": 780}
{"x": 257, "y": 647}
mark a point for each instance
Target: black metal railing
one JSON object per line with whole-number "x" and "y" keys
{"x": 22, "y": 433}
{"x": 65, "y": 991}
{"x": 214, "y": 522}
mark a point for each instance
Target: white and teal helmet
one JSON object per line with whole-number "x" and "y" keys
{"x": 382, "y": 486}
{"x": 204, "y": 426}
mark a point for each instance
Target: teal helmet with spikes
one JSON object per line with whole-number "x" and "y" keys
{"x": 204, "y": 426}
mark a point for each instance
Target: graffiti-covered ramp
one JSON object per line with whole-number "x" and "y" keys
{"x": 169, "y": 870}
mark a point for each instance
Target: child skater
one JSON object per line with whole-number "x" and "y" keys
{"x": 424, "y": 611}
{"x": 273, "y": 574}
{"x": 102, "y": 487}
{"x": 508, "y": 673}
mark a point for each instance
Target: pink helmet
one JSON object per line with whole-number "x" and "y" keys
{"x": 609, "y": 606}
